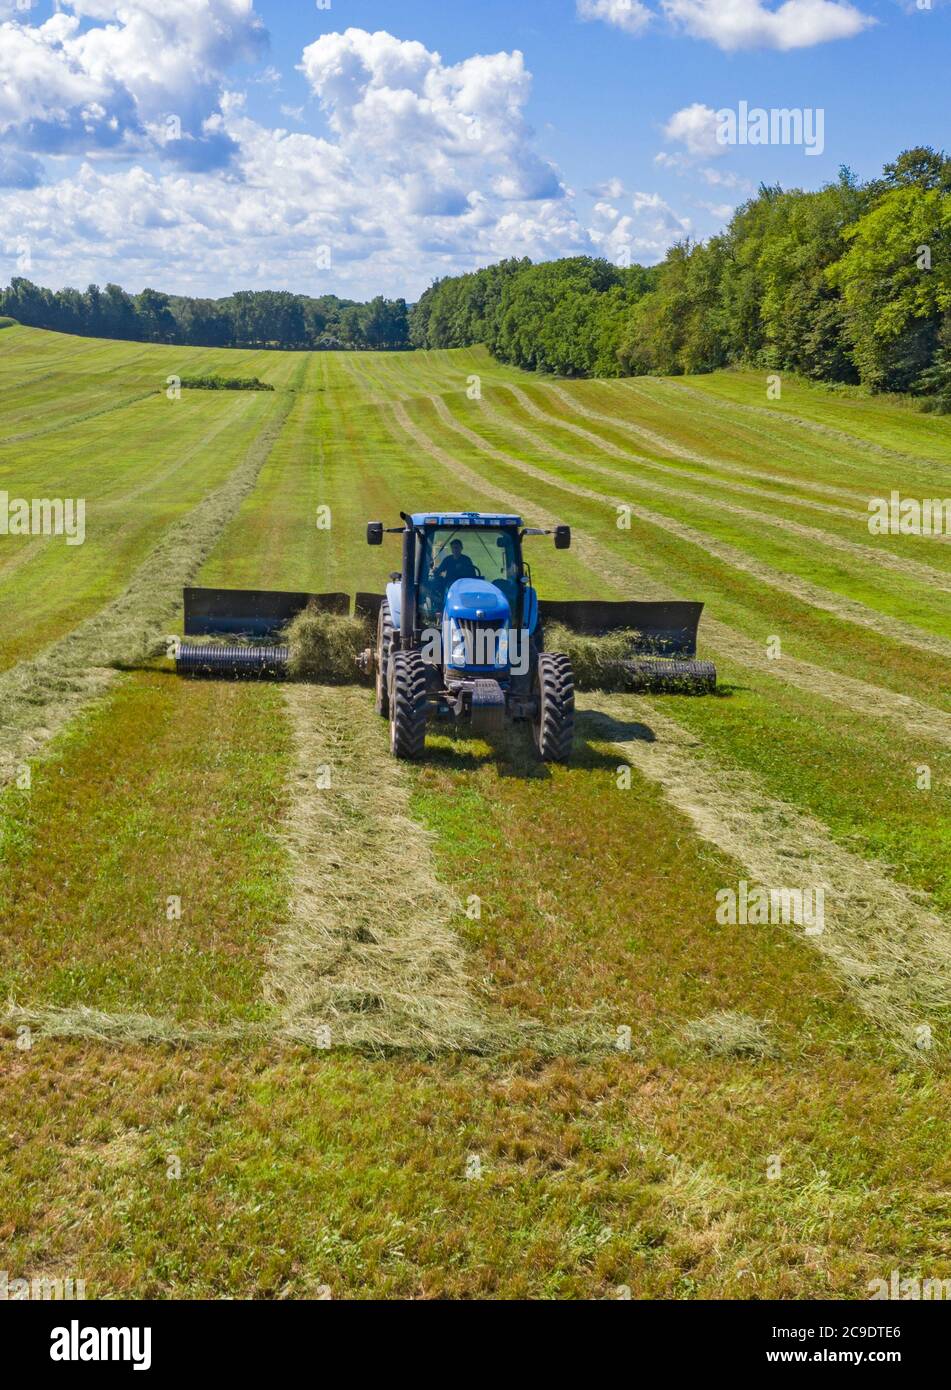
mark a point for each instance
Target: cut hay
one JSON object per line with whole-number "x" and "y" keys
{"x": 366, "y": 955}
{"x": 596, "y": 661}
{"x": 728, "y": 1034}
{"x": 95, "y": 1025}
{"x": 324, "y": 646}
{"x": 621, "y": 661}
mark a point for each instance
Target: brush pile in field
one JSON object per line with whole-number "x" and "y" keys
{"x": 324, "y": 646}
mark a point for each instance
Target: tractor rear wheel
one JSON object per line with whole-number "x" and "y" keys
{"x": 384, "y": 645}
{"x": 407, "y": 700}
{"x": 554, "y": 723}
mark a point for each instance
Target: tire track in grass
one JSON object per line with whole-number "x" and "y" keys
{"x": 913, "y": 569}
{"x": 848, "y": 610}
{"x": 893, "y": 954}
{"x": 39, "y": 696}
{"x": 917, "y": 718}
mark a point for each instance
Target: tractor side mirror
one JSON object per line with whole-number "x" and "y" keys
{"x": 374, "y": 533}
{"x": 562, "y": 537}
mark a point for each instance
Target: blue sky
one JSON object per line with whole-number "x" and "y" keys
{"x": 208, "y": 145}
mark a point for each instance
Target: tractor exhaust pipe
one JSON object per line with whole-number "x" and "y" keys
{"x": 408, "y": 588}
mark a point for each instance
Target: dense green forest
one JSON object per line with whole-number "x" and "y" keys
{"x": 851, "y": 283}
{"x": 247, "y": 319}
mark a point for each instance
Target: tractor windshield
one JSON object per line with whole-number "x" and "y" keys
{"x": 466, "y": 552}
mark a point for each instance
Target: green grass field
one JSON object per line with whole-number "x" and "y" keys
{"x": 254, "y": 1042}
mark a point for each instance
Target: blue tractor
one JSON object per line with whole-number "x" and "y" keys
{"x": 459, "y": 637}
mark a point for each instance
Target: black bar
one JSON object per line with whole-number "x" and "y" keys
{"x": 667, "y": 625}
{"x": 251, "y": 612}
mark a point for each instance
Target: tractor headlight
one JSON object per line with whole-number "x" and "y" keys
{"x": 457, "y": 646}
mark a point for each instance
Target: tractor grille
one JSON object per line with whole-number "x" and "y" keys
{"x": 481, "y": 636}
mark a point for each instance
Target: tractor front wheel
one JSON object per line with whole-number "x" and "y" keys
{"x": 554, "y": 723}
{"x": 407, "y": 700}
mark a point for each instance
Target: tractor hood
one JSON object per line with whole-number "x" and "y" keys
{"x": 476, "y": 600}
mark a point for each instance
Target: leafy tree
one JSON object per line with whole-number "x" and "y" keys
{"x": 895, "y": 281}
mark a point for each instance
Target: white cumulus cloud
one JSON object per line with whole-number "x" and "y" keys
{"x": 424, "y": 168}
{"x": 629, "y": 15}
{"x": 734, "y": 24}
{"x": 109, "y": 75}
{"x": 695, "y": 127}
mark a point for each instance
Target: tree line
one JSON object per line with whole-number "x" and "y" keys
{"x": 246, "y": 319}
{"x": 851, "y": 283}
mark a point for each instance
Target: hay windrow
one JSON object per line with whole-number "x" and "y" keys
{"x": 94, "y": 1025}
{"x": 39, "y": 696}
{"x": 365, "y": 951}
{"x": 729, "y": 1034}
{"x": 826, "y": 600}
{"x": 891, "y": 951}
{"x": 324, "y": 646}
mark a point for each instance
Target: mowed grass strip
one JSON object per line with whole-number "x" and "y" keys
{"x": 330, "y": 457}
{"x": 547, "y": 421}
{"x": 775, "y": 565}
{"x": 595, "y": 893}
{"x": 105, "y": 431}
{"x": 168, "y": 790}
{"x": 366, "y": 953}
{"x": 230, "y": 1172}
{"x": 842, "y": 416}
{"x": 892, "y": 951}
{"x": 40, "y": 696}
{"x": 134, "y": 489}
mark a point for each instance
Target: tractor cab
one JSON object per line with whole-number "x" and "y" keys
{"x": 470, "y": 560}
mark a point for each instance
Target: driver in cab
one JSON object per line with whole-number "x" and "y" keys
{"x": 456, "y": 565}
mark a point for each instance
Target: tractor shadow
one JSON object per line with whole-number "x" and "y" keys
{"x": 594, "y": 727}
{"x": 512, "y": 754}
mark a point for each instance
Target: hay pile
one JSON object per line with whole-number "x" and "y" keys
{"x": 594, "y": 660}
{"x": 324, "y": 646}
